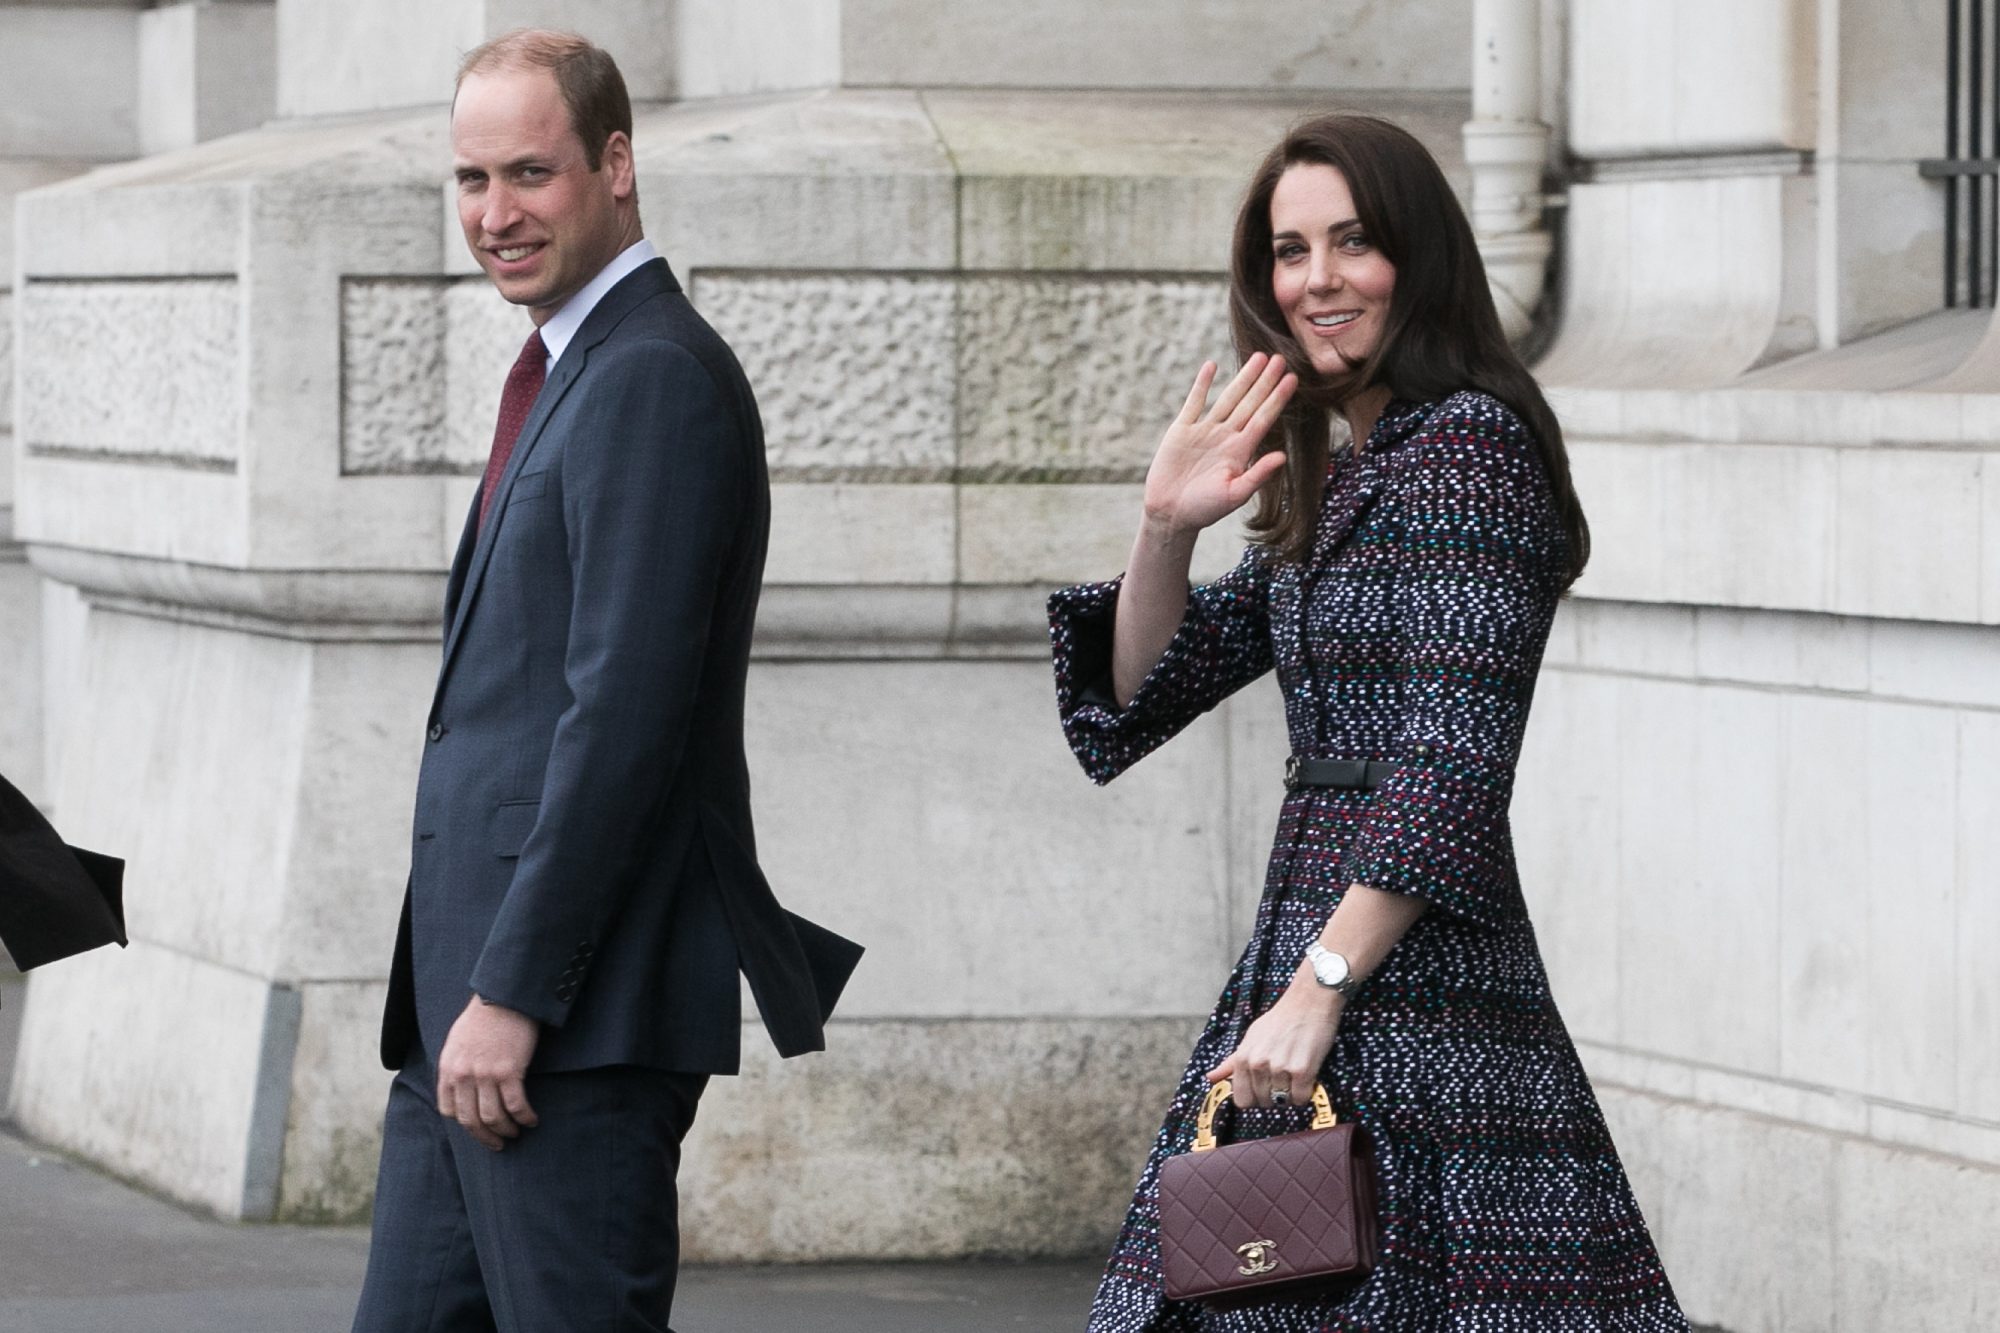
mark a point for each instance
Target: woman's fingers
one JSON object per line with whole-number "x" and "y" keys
{"x": 1238, "y": 388}
{"x": 1198, "y": 396}
{"x": 1254, "y": 395}
{"x": 1267, "y": 411}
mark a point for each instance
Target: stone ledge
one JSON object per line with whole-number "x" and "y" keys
{"x": 1894, "y": 533}
{"x": 1881, "y": 1122}
{"x": 1799, "y": 652}
{"x": 335, "y": 600}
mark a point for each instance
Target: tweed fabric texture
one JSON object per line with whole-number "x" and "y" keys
{"x": 1412, "y": 634}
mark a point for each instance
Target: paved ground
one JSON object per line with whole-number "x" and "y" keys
{"x": 82, "y": 1253}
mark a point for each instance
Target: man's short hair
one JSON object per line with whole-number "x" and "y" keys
{"x": 592, "y": 88}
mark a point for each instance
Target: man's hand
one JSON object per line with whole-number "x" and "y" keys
{"x": 481, "y": 1072}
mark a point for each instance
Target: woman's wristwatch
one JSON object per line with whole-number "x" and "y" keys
{"x": 1332, "y": 971}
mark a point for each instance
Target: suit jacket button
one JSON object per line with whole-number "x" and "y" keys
{"x": 436, "y": 732}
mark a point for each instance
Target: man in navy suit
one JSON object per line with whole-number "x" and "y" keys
{"x": 584, "y": 885}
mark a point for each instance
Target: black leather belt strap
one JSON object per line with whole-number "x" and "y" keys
{"x": 1355, "y": 774}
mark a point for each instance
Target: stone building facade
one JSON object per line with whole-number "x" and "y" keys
{"x": 971, "y": 254}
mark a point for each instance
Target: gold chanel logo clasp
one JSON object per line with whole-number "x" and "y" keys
{"x": 1259, "y": 1257}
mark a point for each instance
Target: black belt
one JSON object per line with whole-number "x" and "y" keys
{"x": 1356, "y": 774}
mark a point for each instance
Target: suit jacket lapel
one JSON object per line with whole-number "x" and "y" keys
{"x": 566, "y": 373}
{"x": 648, "y": 280}
{"x": 460, "y": 562}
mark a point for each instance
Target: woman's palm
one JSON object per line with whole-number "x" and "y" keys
{"x": 1207, "y": 465}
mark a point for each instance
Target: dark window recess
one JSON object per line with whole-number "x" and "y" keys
{"x": 1970, "y": 167}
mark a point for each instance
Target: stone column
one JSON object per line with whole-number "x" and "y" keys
{"x": 1506, "y": 150}
{"x": 1690, "y": 235}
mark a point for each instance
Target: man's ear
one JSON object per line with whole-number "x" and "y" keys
{"x": 617, "y": 160}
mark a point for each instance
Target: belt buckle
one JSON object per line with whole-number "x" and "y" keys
{"x": 1291, "y": 772}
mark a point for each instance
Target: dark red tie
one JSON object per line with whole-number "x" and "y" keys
{"x": 524, "y": 381}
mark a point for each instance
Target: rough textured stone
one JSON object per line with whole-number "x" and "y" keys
{"x": 392, "y": 380}
{"x": 854, "y": 372}
{"x": 422, "y": 366}
{"x": 1013, "y": 1138}
{"x": 136, "y": 369}
{"x": 859, "y": 376}
{"x": 1075, "y": 378}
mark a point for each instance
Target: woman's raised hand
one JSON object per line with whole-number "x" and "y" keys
{"x": 1204, "y": 468}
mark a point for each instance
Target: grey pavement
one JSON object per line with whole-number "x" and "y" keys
{"x": 81, "y": 1252}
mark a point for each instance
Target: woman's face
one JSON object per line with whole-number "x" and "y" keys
{"x": 1331, "y": 283}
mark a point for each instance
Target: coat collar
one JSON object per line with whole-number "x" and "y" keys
{"x": 1400, "y": 420}
{"x": 649, "y": 280}
{"x": 1344, "y": 505}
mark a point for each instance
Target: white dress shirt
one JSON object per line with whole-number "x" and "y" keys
{"x": 562, "y": 326}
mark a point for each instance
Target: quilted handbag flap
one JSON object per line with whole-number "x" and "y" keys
{"x": 1258, "y": 1217}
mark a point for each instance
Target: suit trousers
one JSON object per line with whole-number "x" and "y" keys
{"x": 573, "y": 1226}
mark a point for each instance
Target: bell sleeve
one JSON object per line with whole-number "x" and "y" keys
{"x": 1475, "y": 589}
{"x": 1223, "y": 643}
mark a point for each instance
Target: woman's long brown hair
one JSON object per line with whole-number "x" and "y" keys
{"x": 1442, "y": 333}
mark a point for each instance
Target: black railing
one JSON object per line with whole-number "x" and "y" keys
{"x": 1970, "y": 167}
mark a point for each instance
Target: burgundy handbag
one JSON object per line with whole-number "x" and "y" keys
{"x": 1280, "y": 1216}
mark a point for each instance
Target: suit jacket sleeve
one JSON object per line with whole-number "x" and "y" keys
{"x": 656, "y": 480}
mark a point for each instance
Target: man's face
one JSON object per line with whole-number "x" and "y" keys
{"x": 537, "y": 218}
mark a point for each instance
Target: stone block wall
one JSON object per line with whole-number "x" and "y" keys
{"x": 1759, "y": 850}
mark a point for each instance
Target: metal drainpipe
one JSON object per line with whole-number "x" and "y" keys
{"x": 1506, "y": 149}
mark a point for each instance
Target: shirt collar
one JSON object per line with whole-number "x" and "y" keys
{"x": 561, "y": 327}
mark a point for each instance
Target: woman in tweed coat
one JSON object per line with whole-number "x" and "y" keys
{"x": 1403, "y": 591}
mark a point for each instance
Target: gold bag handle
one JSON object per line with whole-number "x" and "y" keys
{"x": 1218, "y": 1093}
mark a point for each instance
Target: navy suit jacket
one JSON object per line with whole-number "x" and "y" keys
{"x": 583, "y": 849}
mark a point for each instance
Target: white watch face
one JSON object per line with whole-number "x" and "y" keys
{"x": 1329, "y": 967}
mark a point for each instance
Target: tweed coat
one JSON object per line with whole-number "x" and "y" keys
{"x": 1412, "y": 634}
